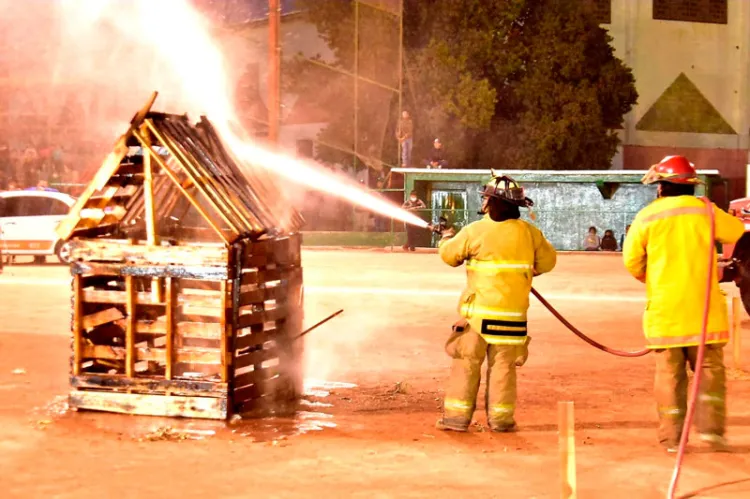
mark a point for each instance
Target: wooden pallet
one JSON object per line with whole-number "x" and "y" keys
{"x": 224, "y": 333}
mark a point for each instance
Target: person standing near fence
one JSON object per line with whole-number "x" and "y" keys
{"x": 412, "y": 204}
{"x": 405, "y": 136}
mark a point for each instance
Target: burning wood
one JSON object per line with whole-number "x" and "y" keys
{"x": 187, "y": 279}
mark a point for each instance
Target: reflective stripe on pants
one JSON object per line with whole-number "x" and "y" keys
{"x": 671, "y": 387}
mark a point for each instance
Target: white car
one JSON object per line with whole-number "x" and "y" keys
{"x": 28, "y": 220}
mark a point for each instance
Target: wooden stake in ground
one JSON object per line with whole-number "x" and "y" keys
{"x": 566, "y": 431}
{"x": 736, "y": 331}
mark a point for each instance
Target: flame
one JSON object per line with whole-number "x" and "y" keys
{"x": 190, "y": 71}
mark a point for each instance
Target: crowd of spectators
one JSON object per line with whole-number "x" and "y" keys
{"x": 592, "y": 241}
{"x": 32, "y": 166}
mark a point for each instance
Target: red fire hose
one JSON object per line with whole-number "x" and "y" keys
{"x": 641, "y": 353}
{"x": 577, "y": 332}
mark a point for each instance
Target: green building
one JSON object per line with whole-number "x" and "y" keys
{"x": 566, "y": 203}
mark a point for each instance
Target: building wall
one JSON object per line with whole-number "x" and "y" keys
{"x": 692, "y": 80}
{"x": 566, "y": 203}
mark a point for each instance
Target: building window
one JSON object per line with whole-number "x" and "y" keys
{"x": 602, "y": 10}
{"x": 691, "y": 11}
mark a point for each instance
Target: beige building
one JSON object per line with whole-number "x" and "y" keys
{"x": 691, "y": 61}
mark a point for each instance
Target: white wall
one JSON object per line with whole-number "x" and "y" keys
{"x": 714, "y": 57}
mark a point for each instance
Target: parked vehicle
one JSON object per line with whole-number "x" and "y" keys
{"x": 28, "y": 220}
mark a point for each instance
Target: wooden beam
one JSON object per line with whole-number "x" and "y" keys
{"x": 77, "y": 324}
{"x": 119, "y": 251}
{"x": 108, "y": 168}
{"x": 102, "y": 317}
{"x": 185, "y": 193}
{"x": 201, "y": 330}
{"x": 194, "y": 355}
{"x": 130, "y": 329}
{"x": 148, "y": 186}
{"x": 737, "y": 332}
{"x": 150, "y": 405}
{"x": 567, "y": 447}
{"x": 170, "y": 329}
{"x": 118, "y": 297}
{"x": 226, "y": 332}
{"x": 149, "y": 384}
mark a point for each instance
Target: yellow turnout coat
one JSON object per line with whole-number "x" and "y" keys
{"x": 667, "y": 248}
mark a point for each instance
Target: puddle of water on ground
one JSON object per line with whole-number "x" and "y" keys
{"x": 307, "y": 418}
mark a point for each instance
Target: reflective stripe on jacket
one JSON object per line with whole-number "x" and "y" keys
{"x": 667, "y": 246}
{"x": 501, "y": 259}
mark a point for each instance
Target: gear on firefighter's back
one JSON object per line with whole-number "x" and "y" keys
{"x": 501, "y": 259}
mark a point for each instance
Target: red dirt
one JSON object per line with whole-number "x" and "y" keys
{"x": 384, "y": 443}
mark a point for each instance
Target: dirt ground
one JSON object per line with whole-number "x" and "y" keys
{"x": 375, "y": 378}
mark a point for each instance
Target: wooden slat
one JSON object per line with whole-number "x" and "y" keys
{"x": 200, "y": 330}
{"x": 114, "y": 250}
{"x": 77, "y": 324}
{"x": 255, "y": 357}
{"x": 154, "y": 385}
{"x": 130, "y": 309}
{"x": 246, "y": 394}
{"x": 257, "y": 377}
{"x": 170, "y": 326}
{"x": 188, "y": 284}
{"x": 201, "y": 300}
{"x": 193, "y": 355}
{"x": 261, "y": 295}
{"x": 256, "y": 338}
{"x": 108, "y": 168}
{"x": 215, "y": 312}
{"x": 247, "y": 320}
{"x": 102, "y": 317}
{"x": 91, "y": 295}
{"x": 150, "y": 405}
{"x": 117, "y": 180}
{"x": 130, "y": 169}
{"x": 225, "y": 324}
{"x": 266, "y": 275}
{"x": 177, "y": 271}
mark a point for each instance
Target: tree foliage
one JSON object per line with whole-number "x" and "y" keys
{"x": 530, "y": 84}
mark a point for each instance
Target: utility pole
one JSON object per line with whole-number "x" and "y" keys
{"x": 274, "y": 70}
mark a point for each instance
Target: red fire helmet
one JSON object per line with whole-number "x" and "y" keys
{"x": 672, "y": 169}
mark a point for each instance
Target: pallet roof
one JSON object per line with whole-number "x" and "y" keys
{"x": 164, "y": 171}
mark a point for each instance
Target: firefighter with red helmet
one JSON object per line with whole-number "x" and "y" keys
{"x": 502, "y": 254}
{"x": 664, "y": 249}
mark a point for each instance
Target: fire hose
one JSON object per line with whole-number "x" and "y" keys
{"x": 640, "y": 353}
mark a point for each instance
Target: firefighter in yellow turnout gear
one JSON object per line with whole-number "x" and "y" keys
{"x": 502, "y": 254}
{"x": 666, "y": 248}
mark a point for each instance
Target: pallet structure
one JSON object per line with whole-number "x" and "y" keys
{"x": 186, "y": 279}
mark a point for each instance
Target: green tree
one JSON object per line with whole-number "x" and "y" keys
{"x": 530, "y": 84}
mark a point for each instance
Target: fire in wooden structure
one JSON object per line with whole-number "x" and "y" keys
{"x": 186, "y": 279}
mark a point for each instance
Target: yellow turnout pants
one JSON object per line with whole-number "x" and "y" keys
{"x": 671, "y": 391}
{"x": 468, "y": 350}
